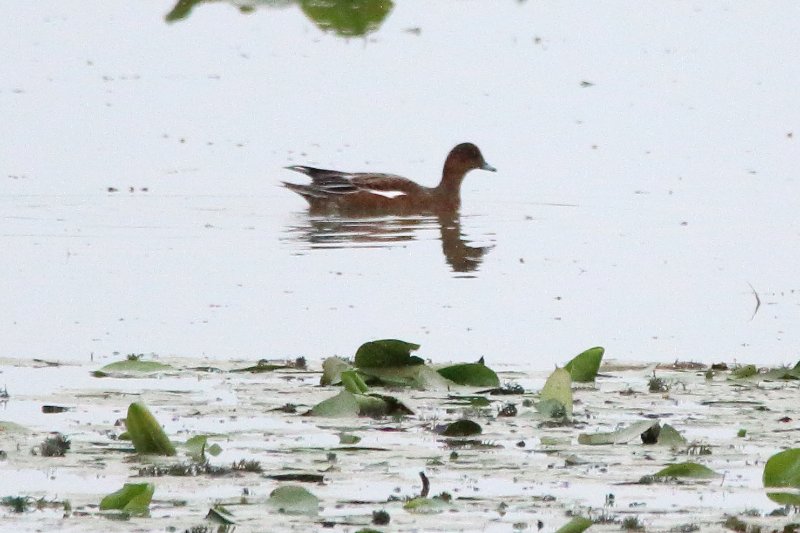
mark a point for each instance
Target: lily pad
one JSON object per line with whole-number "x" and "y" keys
{"x": 352, "y": 382}
{"x": 293, "y": 499}
{"x": 197, "y": 447}
{"x": 348, "y": 18}
{"x": 556, "y": 395}
{"x": 783, "y": 470}
{"x": 584, "y": 366}
{"x": 386, "y": 353}
{"x": 620, "y": 436}
{"x": 686, "y": 470}
{"x": 576, "y": 525}
{"x": 220, "y": 515}
{"x": 462, "y": 428}
{"x": 342, "y": 405}
{"x": 471, "y": 374}
{"x": 669, "y": 436}
{"x": 132, "y": 368}
{"x": 377, "y": 405}
{"x": 332, "y": 369}
{"x": 426, "y": 505}
{"x": 146, "y": 433}
{"x": 420, "y": 377}
{"x": 132, "y": 498}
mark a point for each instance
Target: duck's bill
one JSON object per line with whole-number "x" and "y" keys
{"x": 487, "y": 166}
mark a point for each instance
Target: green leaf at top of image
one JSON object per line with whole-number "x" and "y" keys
{"x": 471, "y": 374}
{"x": 620, "y": 436}
{"x": 146, "y": 433}
{"x": 386, "y": 352}
{"x": 462, "y": 428}
{"x": 584, "y": 366}
{"x": 132, "y": 498}
{"x": 348, "y": 18}
{"x": 783, "y": 470}
{"x": 132, "y": 368}
{"x": 332, "y": 369}
{"x": 576, "y": 525}
{"x": 686, "y": 470}
{"x": 557, "y": 388}
{"x": 352, "y": 382}
{"x": 293, "y": 499}
{"x": 343, "y": 405}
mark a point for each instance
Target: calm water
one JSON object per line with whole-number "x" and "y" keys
{"x": 647, "y": 159}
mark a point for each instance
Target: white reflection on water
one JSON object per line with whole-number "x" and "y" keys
{"x": 335, "y": 232}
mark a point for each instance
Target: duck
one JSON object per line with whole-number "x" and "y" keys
{"x": 333, "y": 191}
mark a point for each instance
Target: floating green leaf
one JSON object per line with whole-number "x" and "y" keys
{"x": 260, "y": 367}
{"x": 348, "y": 439}
{"x": 293, "y": 499}
{"x": 132, "y": 498}
{"x": 426, "y": 505}
{"x": 462, "y": 428}
{"x": 576, "y": 525}
{"x": 342, "y": 405}
{"x": 132, "y": 368}
{"x": 584, "y": 366}
{"x": 557, "y": 390}
{"x": 197, "y": 447}
{"x": 783, "y": 470}
{"x": 146, "y": 433}
{"x": 352, "y": 381}
{"x": 386, "y": 353}
{"x": 332, "y": 369}
{"x": 420, "y": 377}
{"x": 620, "y": 436}
{"x": 686, "y": 470}
{"x": 377, "y": 405}
{"x": 745, "y": 371}
{"x": 220, "y": 515}
{"x": 471, "y": 374}
{"x": 669, "y": 436}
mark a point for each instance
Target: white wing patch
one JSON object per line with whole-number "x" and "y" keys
{"x": 387, "y": 194}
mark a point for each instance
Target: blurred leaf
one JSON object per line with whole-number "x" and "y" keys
{"x": 462, "y": 428}
{"x": 260, "y": 367}
{"x": 348, "y": 18}
{"x": 620, "y": 436}
{"x": 146, "y": 433}
{"x": 688, "y": 470}
{"x": 426, "y": 505}
{"x": 420, "y": 377}
{"x": 332, "y": 369}
{"x": 584, "y": 366}
{"x": 132, "y": 498}
{"x": 377, "y": 405}
{"x": 386, "y": 353}
{"x": 745, "y": 371}
{"x": 346, "y": 438}
{"x": 558, "y": 388}
{"x": 293, "y": 499}
{"x": 342, "y": 405}
{"x": 576, "y": 525}
{"x": 471, "y": 374}
{"x": 196, "y": 447}
{"x": 132, "y": 368}
{"x": 352, "y": 382}
{"x": 220, "y": 515}
{"x": 669, "y": 436}
{"x": 783, "y": 470}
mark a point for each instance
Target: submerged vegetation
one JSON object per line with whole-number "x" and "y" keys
{"x": 293, "y": 450}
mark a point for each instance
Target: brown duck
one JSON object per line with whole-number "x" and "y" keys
{"x": 365, "y": 192}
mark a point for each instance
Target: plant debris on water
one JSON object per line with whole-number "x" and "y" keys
{"x": 272, "y": 450}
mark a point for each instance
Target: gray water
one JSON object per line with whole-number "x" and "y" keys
{"x": 646, "y": 188}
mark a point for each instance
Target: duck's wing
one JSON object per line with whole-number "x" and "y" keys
{"x": 325, "y": 182}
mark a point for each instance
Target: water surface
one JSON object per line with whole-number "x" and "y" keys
{"x": 647, "y": 181}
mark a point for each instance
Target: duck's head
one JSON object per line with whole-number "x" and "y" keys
{"x": 466, "y": 157}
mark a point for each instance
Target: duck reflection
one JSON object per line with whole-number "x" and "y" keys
{"x": 347, "y": 18}
{"x": 380, "y": 232}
